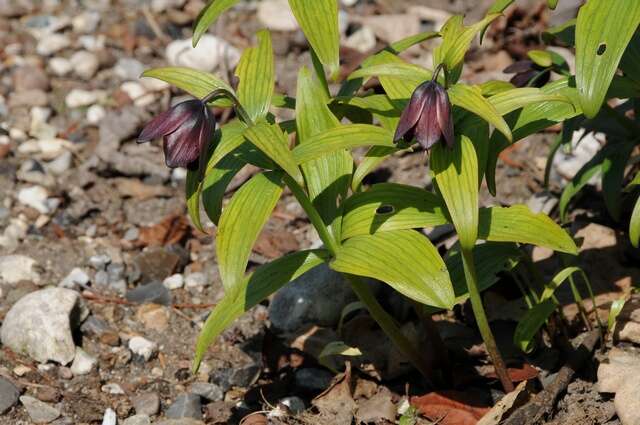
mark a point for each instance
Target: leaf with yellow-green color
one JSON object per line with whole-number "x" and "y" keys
{"x": 197, "y": 83}
{"x": 471, "y": 99}
{"x": 256, "y": 72}
{"x": 208, "y": 15}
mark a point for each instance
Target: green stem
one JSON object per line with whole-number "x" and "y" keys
{"x": 218, "y": 93}
{"x": 388, "y": 325}
{"x": 313, "y": 214}
{"x": 483, "y": 323}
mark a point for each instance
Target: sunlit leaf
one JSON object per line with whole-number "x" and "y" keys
{"x": 558, "y": 279}
{"x": 403, "y": 259}
{"x": 540, "y": 57}
{"x": 398, "y": 69}
{"x": 253, "y": 289}
{"x": 319, "y": 22}
{"x": 339, "y": 138}
{"x": 371, "y": 160}
{"x": 240, "y": 224}
{"x": 602, "y": 34}
{"x": 270, "y": 139}
{"x": 471, "y": 99}
{"x": 208, "y": 15}
{"x": 518, "y": 224}
{"x": 197, "y": 83}
{"x": 336, "y": 348}
{"x": 616, "y": 308}
{"x": 510, "y": 100}
{"x": 256, "y": 72}
{"x": 456, "y": 173}
{"x": 634, "y": 225}
{"x": 390, "y": 206}
{"x": 327, "y": 178}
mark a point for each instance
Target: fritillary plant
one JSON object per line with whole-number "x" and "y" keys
{"x": 371, "y": 231}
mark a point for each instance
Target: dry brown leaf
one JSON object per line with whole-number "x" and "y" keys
{"x": 171, "y": 230}
{"x": 336, "y": 404}
{"x": 451, "y": 407}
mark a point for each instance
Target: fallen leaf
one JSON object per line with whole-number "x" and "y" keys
{"x": 507, "y": 404}
{"x": 171, "y": 230}
{"x": 273, "y": 243}
{"x": 517, "y": 374}
{"x": 336, "y": 404}
{"x": 378, "y": 409}
{"x": 451, "y": 407}
{"x": 134, "y": 188}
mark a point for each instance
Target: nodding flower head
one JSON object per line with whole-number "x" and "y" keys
{"x": 527, "y": 73}
{"x": 186, "y": 130}
{"x": 427, "y": 117}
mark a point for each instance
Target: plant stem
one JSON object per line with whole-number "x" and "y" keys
{"x": 481, "y": 320}
{"x": 389, "y": 326}
{"x": 313, "y": 214}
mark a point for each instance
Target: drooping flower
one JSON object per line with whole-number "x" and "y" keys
{"x": 186, "y": 130}
{"x": 527, "y": 73}
{"x": 427, "y": 117}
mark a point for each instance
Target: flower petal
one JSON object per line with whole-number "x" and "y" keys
{"x": 169, "y": 121}
{"x": 519, "y": 66}
{"x": 182, "y": 147}
{"x": 428, "y": 129}
{"x": 443, "y": 113}
{"x": 411, "y": 113}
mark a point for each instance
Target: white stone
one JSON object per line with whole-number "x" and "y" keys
{"x": 362, "y": 40}
{"x": 153, "y": 84}
{"x": 195, "y": 280}
{"x": 583, "y": 148}
{"x": 137, "y": 93}
{"x": 85, "y": 64}
{"x": 39, "y": 325}
{"x": 60, "y": 66}
{"x": 95, "y": 114}
{"x": 92, "y": 43}
{"x": 52, "y": 43}
{"x": 175, "y": 281}
{"x": 79, "y": 97}
{"x": 210, "y": 53}
{"x": 276, "y": 15}
{"x": 86, "y": 22}
{"x": 348, "y": 3}
{"x": 35, "y": 197}
{"x": 158, "y": 6}
{"x": 83, "y": 362}
{"x": 142, "y": 347}
{"x": 61, "y": 164}
{"x": 112, "y": 388}
{"x": 14, "y": 268}
{"x": 109, "y": 417}
{"x": 76, "y": 277}
{"x": 128, "y": 68}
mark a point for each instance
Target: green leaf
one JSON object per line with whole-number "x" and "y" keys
{"x": 518, "y": 224}
{"x": 498, "y": 6}
{"x": 390, "y": 206}
{"x": 374, "y": 157}
{"x": 339, "y": 138}
{"x": 381, "y": 107}
{"x": 511, "y": 100}
{"x": 634, "y": 225}
{"x": 256, "y": 72}
{"x": 630, "y": 63}
{"x": 266, "y": 280}
{"x": 208, "y": 15}
{"x": 328, "y": 177}
{"x": 232, "y": 138}
{"x": 400, "y": 46}
{"x": 319, "y": 22}
{"x": 603, "y": 30}
{"x": 215, "y": 184}
{"x": 192, "y": 191}
{"x": 456, "y": 173}
{"x": 403, "y": 259}
{"x": 336, "y": 348}
{"x": 490, "y": 258}
{"x": 197, "y": 83}
{"x": 540, "y": 57}
{"x": 552, "y": 4}
{"x": 241, "y": 223}
{"x": 494, "y": 87}
{"x": 614, "y": 312}
{"x": 398, "y": 69}
{"x": 471, "y": 99}
{"x": 558, "y": 279}
{"x": 531, "y": 323}
{"x": 612, "y": 178}
{"x": 456, "y": 40}
{"x": 565, "y": 32}
{"x": 270, "y": 139}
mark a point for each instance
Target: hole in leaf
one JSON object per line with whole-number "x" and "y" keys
{"x": 601, "y": 49}
{"x": 385, "y": 209}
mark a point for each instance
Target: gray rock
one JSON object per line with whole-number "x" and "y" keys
{"x": 183, "y": 421}
{"x": 156, "y": 264}
{"x": 155, "y": 293}
{"x": 115, "y": 271}
{"x": 317, "y": 297}
{"x": 85, "y": 64}
{"x": 129, "y": 68}
{"x": 36, "y": 198}
{"x": 76, "y": 278}
{"x": 86, "y": 22}
{"x": 131, "y": 234}
{"x": 244, "y": 371}
{"x": 137, "y": 420}
{"x": 30, "y": 78}
{"x": 15, "y": 268}
{"x": 39, "y": 412}
{"x": 52, "y": 43}
{"x": 40, "y": 324}
{"x": 195, "y": 280}
{"x": 294, "y": 404}
{"x": 9, "y": 394}
{"x": 185, "y": 406}
{"x": 99, "y": 262}
{"x": 96, "y": 327}
{"x": 210, "y": 392}
{"x": 312, "y": 379}
{"x": 101, "y": 278}
{"x": 146, "y": 404}
{"x": 28, "y": 98}
{"x": 61, "y": 164}
{"x": 83, "y": 362}
{"x": 210, "y": 52}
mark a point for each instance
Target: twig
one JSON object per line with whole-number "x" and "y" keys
{"x": 544, "y": 402}
{"x": 91, "y": 296}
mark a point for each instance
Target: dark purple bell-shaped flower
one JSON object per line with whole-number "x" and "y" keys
{"x": 186, "y": 129}
{"x": 427, "y": 117}
{"x": 526, "y": 72}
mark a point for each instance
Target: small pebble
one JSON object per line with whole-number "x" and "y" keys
{"x": 195, "y": 280}
{"x": 83, "y": 362}
{"x": 99, "y": 262}
{"x": 95, "y": 114}
{"x": 137, "y": 420}
{"x": 175, "y": 281}
{"x": 112, "y": 388}
{"x": 76, "y": 278}
{"x": 146, "y": 404}
{"x": 109, "y": 417}
{"x": 60, "y": 67}
{"x": 143, "y": 347}
{"x": 85, "y": 64}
